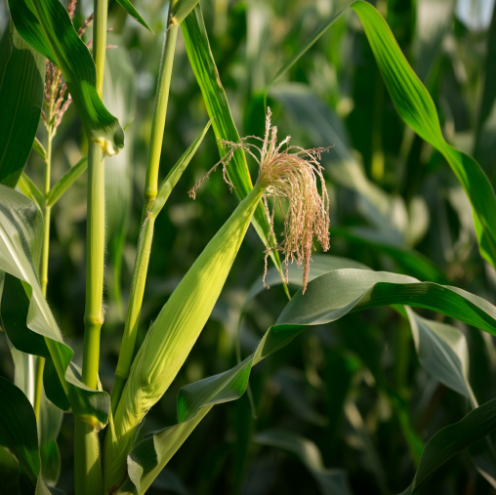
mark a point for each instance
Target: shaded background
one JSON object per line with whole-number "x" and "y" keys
{"x": 390, "y": 193}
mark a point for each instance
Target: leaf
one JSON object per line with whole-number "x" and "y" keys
{"x": 442, "y": 351}
{"x": 119, "y": 97}
{"x": 214, "y": 96}
{"x": 454, "y": 438}
{"x": 338, "y": 10}
{"x": 46, "y": 26}
{"x": 131, "y": 10}
{"x": 331, "y": 481}
{"x": 175, "y": 174}
{"x": 21, "y": 232}
{"x": 416, "y": 108}
{"x": 18, "y": 428}
{"x": 181, "y": 9}
{"x": 66, "y": 181}
{"x": 9, "y": 472}
{"x": 321, "y": 263}
{"x": 21, "y": 98}
{"x": 29, "y": 188}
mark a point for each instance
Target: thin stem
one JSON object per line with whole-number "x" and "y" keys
{"x": 40, "y": 362}
{"x": 159, "y": 114}
{"x": 146, "y": 234}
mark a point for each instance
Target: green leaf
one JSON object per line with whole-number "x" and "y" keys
{"x": 181, "y": 9}
{"x": 18, "y": 428}
{"x": 21, "y": 98}
{"x": 450, "y": 440}
{"x": 29, "y": 188}
{"x": 214, "y": 96}
{"x": 321, "y": 263}
{"x": 119, "y": 97}
{"x": 38, "y": 149}
{"x": 416, "y": 108}
{"x": 131, "y": 10}
{"x": 9, "y": 472}
{"x": 66, "y": 181}
{"x": 175, "y": 174}
{"x": 338, "y": 10}
{"x": 21, "y": 232}
{"x": 46, "y": 26}
{"x": 331, "y": 481}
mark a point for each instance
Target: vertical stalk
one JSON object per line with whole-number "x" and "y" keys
{"x": 159, "y": 114}
{"x": 146, "y": 234}
{"x": 88, "y": 467}
{"x": 93, "y": 316}
{"x": 40, "y": 362}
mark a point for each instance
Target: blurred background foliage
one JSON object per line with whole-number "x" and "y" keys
{"x": 395, "y": 205}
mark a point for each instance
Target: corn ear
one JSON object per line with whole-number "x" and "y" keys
{"x": 173, "y": 334}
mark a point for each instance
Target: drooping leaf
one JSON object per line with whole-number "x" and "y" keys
{"x": 21, "y": 98}
{"x": 21, "y": 232}
{"x": 330, "y": 481}
{"x": 416, "y": 108}
{"x": 47, "y": 27}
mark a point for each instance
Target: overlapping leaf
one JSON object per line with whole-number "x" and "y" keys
{"x": 46, "y": 26}
{"x": 21, "y": 228}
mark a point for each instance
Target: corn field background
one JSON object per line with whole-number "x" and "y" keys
{"x": 347, "y": 406}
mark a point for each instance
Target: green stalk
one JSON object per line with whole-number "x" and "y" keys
{"x": 159, "y": 114}
{"x": 40, "y": 362}
{"x": 88, "y": 468}
{"x": 146, "y": 234}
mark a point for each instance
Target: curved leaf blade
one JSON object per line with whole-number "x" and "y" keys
{"x": 73, "y": 58}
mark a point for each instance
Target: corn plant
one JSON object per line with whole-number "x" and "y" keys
{"x": 46, "y": 68}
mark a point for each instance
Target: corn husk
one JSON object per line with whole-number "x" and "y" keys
{"x": 173, "y": 334}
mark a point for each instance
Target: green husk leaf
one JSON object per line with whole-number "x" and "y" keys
{"x": 21, "y": 98}
{"x": 172, "y": 335}
{"x": 47, "y": 27}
